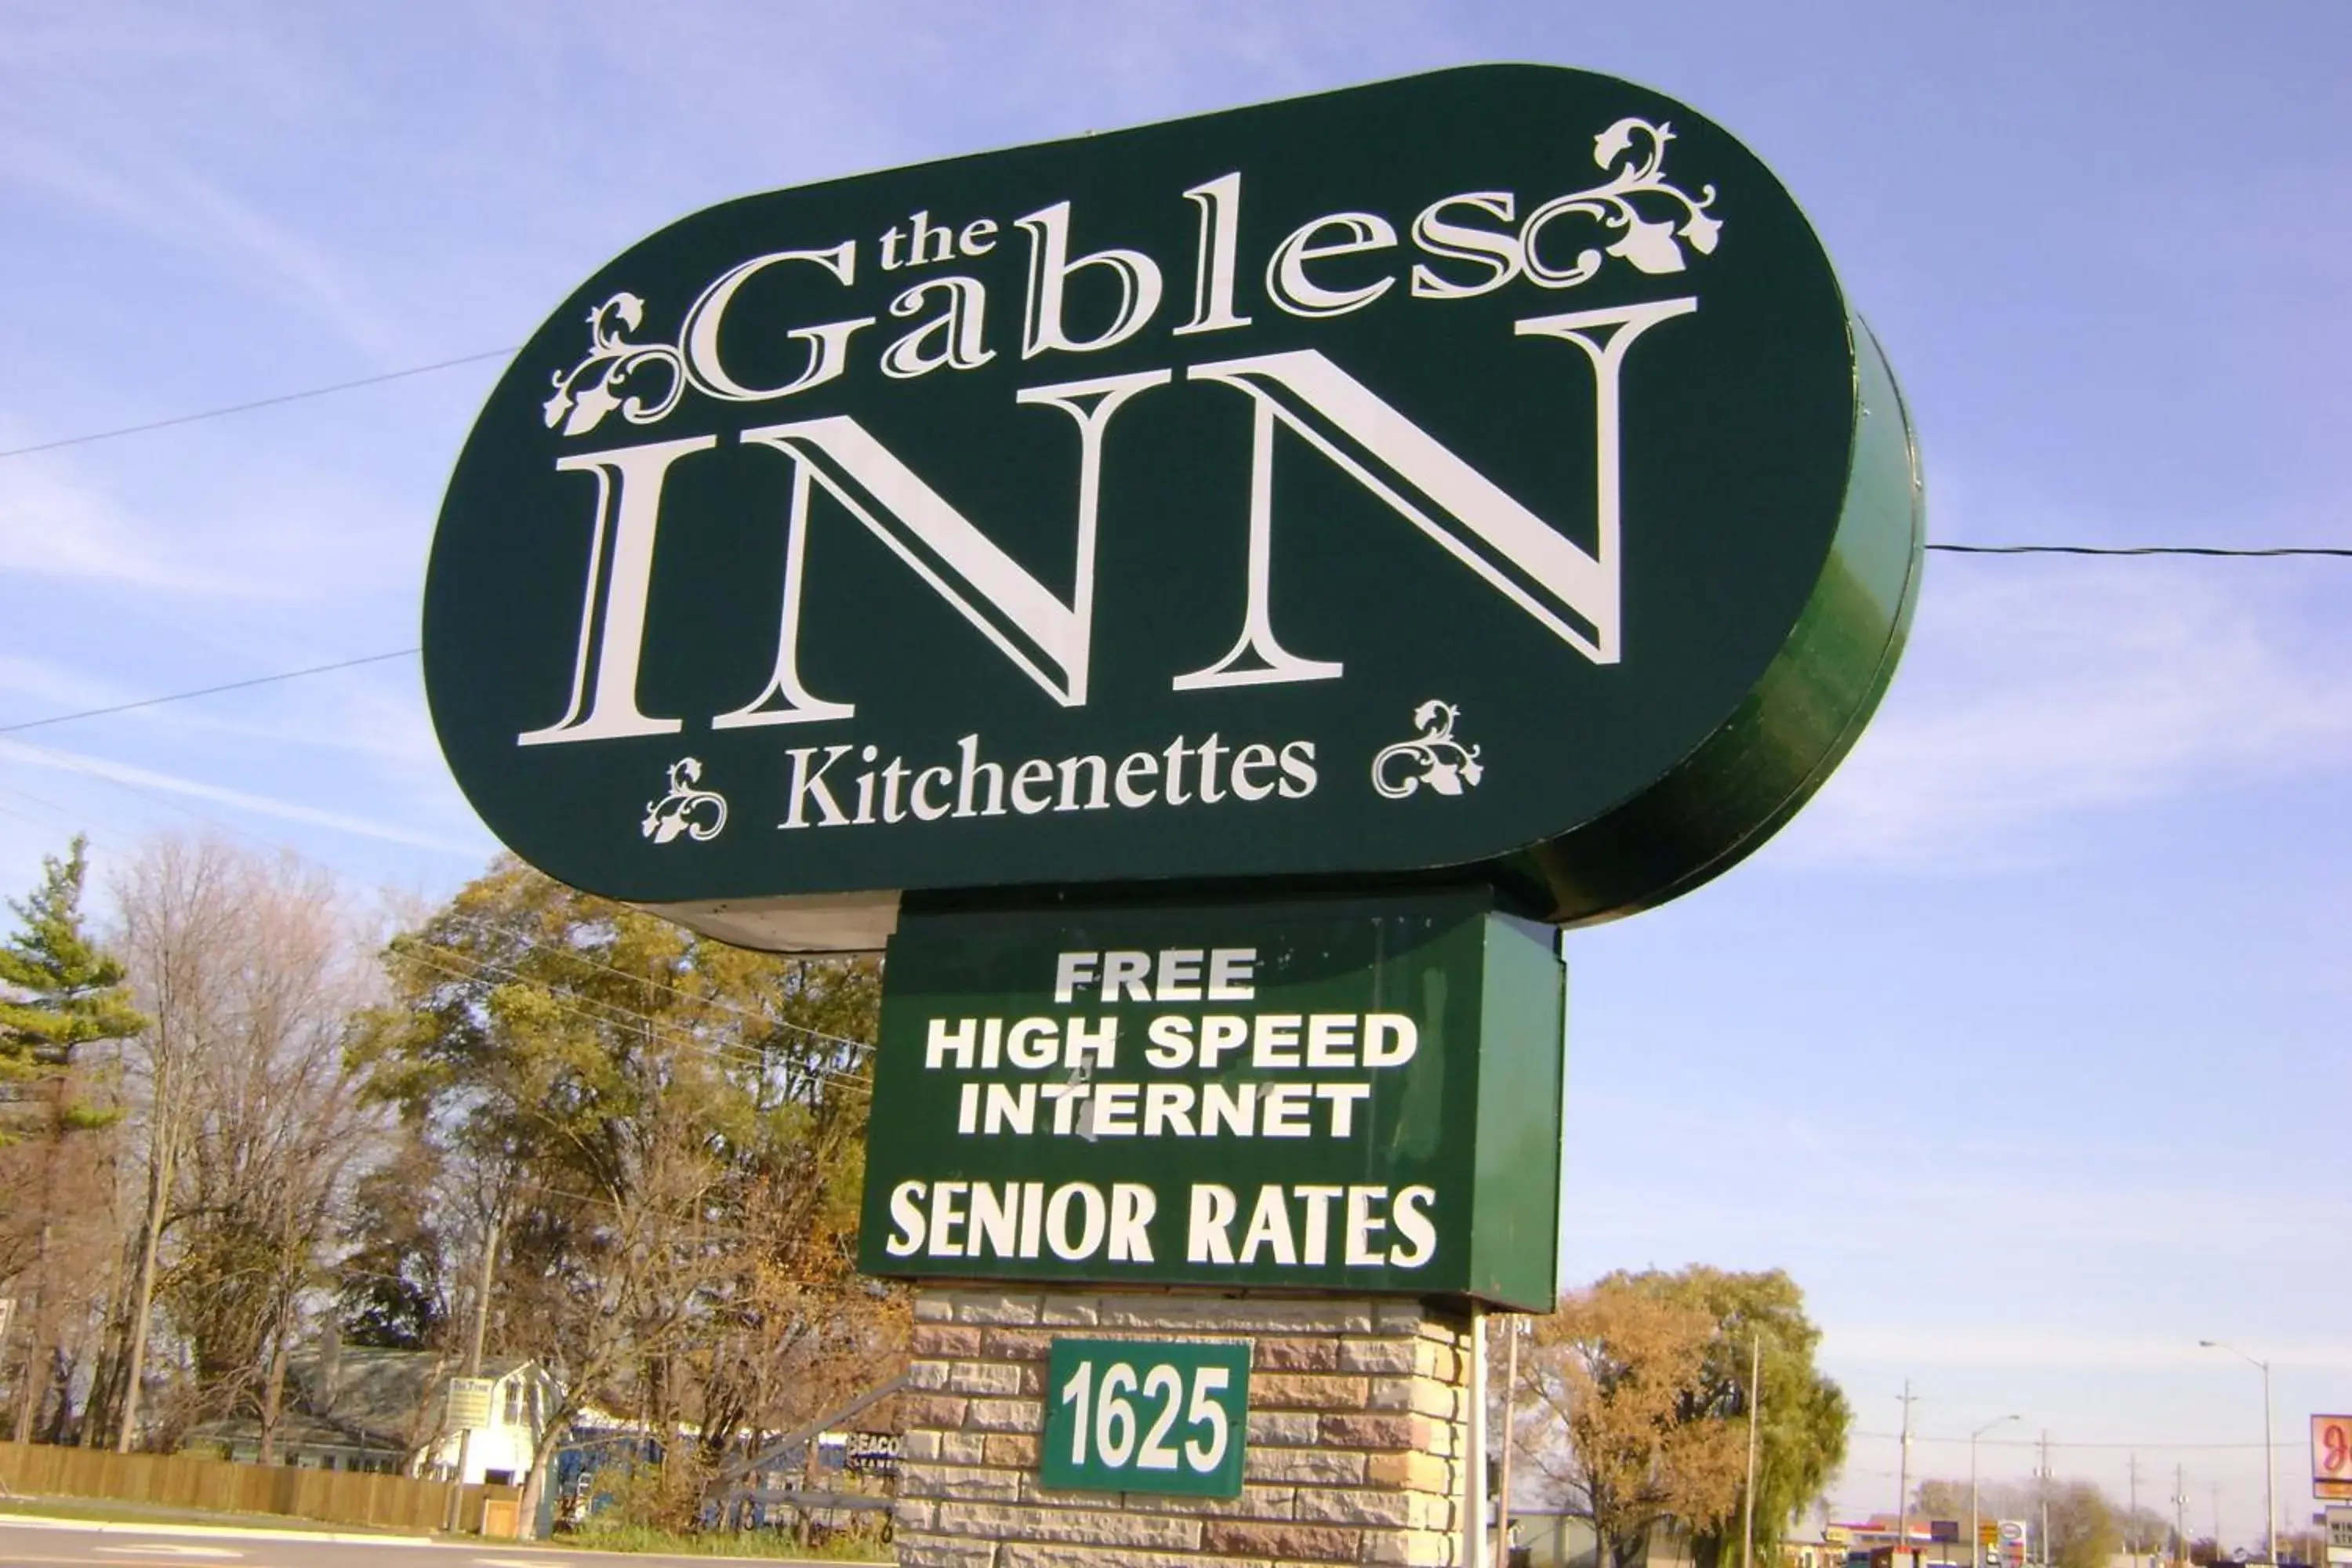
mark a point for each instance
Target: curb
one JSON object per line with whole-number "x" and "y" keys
{"x": 233, "y": 1532}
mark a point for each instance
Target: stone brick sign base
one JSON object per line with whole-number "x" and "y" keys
{"x": 1358, "y": 1432}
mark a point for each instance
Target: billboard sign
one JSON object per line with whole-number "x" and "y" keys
{"x": 2331, "y": 1457}
{"x": 1477, "y": 476}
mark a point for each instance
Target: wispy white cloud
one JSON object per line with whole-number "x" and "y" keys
{"x": 167, "y": 203}
{"x": 275, "y": 523}
{"x": 165, "y": 190}
{"x": 2036, "y": 691}
{"x": 240, "y": 800}
{"x": 376, "y": 716}
{"x": 38, "y": 683}
{"x": 53, "y": 527}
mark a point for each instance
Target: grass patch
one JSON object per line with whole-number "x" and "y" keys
{"x": 768, "y": 1544}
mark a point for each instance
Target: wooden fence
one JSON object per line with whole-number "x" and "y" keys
{"x": 180, "y": 1480}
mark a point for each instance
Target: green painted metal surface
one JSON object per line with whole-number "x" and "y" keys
{"x": 1477, "y": 476}
{"x": 1349, "y": 1095}
{"x": 1146, "y": 1415}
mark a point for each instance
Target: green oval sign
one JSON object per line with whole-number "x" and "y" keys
{"x": 1480, "y": 473}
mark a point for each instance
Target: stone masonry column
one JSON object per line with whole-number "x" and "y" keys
{"x": 1358, "y": 1412}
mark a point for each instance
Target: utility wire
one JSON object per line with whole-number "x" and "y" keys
{"x": 610, "y": 1013}
{"x": 2210, "y": 551}
{"x": 2206, "y": 549}
{"x": 718, "y": 1053}
{"x": 81, "y": 766}
{"x": 256, "y": 403}
{"x": 708, "y": 1226}
{"x": 741, "y": 1055}
{"x": 207, "y": 690}
{"x": 746, "y": 1013}
{"x": 487, "y": 965}
{"x": 751, "y": 1056}
{"x": 2059, "y": 1443}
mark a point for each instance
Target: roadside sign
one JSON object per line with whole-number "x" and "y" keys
{"x": 1537, "y": 508}
{"x": 1146, "y": 1415}
{"x": 469, "y": 1402}
{"x": 2331, "y": 1457}
{"x": 1261, "y": 1109}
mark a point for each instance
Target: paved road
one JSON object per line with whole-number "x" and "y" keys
{"x": 25, "y": 1545}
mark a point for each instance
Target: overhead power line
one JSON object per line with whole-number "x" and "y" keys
{"x": 367, "y": 381}
{"x": 207, "y": 690}
{"x": 607, "y": 1014}
{"x": 2209, "y": 550}
{"x": 2035, "y": 1443}
{"x": 256, "y": 403}
{"x": 762, "y": 1020}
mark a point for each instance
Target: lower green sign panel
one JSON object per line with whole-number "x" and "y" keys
{"x": 1146, "y": 1415}
{"x": 1354, "y": 1095}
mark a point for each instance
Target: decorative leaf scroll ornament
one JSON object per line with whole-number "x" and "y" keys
{"x": 700, "y": 813}
{"x": 587, "y": 400}
{"x": 1652, "y": 244}
{"x": 1652, "y": 219}
{"x": 1433, "y": 757}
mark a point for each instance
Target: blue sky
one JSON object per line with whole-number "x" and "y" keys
{"x": 2022, "y": 1048}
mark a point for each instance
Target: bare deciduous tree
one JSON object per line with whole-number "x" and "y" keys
{"x": 250, "y": 1123}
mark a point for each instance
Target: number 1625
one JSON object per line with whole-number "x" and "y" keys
{"x": 1163, "y": 1415}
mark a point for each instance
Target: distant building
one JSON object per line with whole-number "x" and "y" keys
{"x": 1546, "y": 1539}
{"x": 386, "y": 1411}
{"x": 1880, "y": 1541}
{"x": 1826, "y": 1549}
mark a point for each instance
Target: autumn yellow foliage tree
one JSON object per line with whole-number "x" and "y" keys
{"x": 1633, "y": 1402}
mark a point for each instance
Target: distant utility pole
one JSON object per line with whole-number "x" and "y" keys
{"x": 496, "y": 1224}
{"x": 2179, "y": 1514}
{"x": 1903, "y": 1478}
{"x": 2131, "y": 1530}
{"x": 2047, "y": 1558}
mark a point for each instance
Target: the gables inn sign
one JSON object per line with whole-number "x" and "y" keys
{"x": 1481, "y": 471}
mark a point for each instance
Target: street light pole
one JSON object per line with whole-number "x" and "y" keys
{"x": 1976, "y": 1527}
{"x": 2270, "y": 1450}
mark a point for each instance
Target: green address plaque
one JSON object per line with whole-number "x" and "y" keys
{"x": 1146, "y": 1415}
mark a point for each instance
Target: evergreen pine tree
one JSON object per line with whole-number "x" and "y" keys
{"x": 59, "y": 991}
